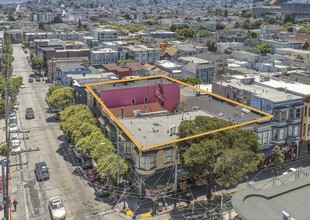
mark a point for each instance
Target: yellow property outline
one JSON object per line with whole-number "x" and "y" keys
{"x": 141, "y": 149}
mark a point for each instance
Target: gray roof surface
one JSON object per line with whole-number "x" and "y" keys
{"x": 271, "y": 94}
{"x": 137, "y": 83}
{"x": 142, "y": 128}
{"x": 293, "y": 198}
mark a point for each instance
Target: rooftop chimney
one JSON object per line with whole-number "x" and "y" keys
{"x": 122, "y": 112}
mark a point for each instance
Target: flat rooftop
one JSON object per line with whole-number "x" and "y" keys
{"x": 293, "y": 198}
{"x": 130, "y": 84}
{"x": 152, "y": 130}
{"x": 159, "y": 128}
{"x": 271, "y": 94}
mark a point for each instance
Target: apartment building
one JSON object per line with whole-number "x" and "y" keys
{"x": 301, "y": 56}
{"x": 285, "y": 107}
{"x": 103, "y": 56}
{"x": 142, "y": 117}
{"x": 104, "y": 35}
{"x": 142, "y": 53}
{"x": 197, "y": 67}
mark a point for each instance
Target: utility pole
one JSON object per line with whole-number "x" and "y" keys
{"x": 176, "y": 177}
{"x": 118, "y": 163}
{"x": 7, "y": 134}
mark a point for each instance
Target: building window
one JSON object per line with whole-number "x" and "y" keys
{"x": 146, "y": 99}
{"x": 304, "y": 130}
{"x": 133, "y": 101}
{"x": 308, "y": 130}
{"x": 168, "y": 156}
{"x": 292, "y": 113}
{"x": 283, "y": 116}
{"x": 147, "y": 163}
{"x": 298, "y": 113}
{"x": 127, "y": 148}
{"x": 276, "y": 116}
{"x": 279, "y": 134}
{"x": 306, "y": 111}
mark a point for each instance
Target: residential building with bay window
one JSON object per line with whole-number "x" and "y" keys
{"x": 284, "y": 129}
{"x": 141, "y": 116}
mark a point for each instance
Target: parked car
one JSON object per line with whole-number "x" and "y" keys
{"x": 57, "y": 208}
{"x": 41, "y": 171}
{"x": 13, "y": 114}
{"x": 13, "y": 127}
{"x": 22, "y": 86}
{"x": 38, "y": 79}
{"x": 57, "y": 116}
{"x": 14, "y": 136}
{"x": 77, "y": 153}
{"x": 29, "y": 113}
{"x": 30, "y": 80}
{"x": 16, "y": 149}
{"x": 290, "y": 170}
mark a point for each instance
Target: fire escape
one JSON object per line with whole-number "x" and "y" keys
{"x": 160, "y": 97}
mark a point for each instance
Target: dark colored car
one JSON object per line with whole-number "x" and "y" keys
{"x": 30, "y": 80}
{"x": 41, "y": 171}
{"x": 38, "y": 79}
{"x": 29, "y": 113}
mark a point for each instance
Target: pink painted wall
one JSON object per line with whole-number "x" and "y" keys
{"x": 122, "y": 97}
{"x": 172, "y": 95}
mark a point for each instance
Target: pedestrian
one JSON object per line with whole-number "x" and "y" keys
{"x": 15, "y": 205}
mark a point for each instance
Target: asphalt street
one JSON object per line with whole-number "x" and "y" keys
{"x": 45, "y": 135}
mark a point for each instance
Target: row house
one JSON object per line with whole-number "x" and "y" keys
{"x": 56, "y": 62}
{"x": 141, "y": 53}
{"x": 65, "y": 36}
{"x": 199, "y": 68}
{"x": 124, "y": 70}
{"x": 286, "y": 108}
{"x": 105, "y": 35}
{"x": 103, "y": 56}
{"x": 65, "y": 69}
{"x": 294, "y": 55}
{"x": 275, "y": 44}
{"x": 299, "y": 89}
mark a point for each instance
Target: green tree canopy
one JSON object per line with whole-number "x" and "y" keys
{"x": 51, "y": 89}
{"x": 71, "y": 110}
{"x": 89, "y": 143}
{"x": 192, "y": 80}
{"x": 104, "y": 148}
{"x": 264, "y": 48}
{"x": 108, "y": 166}
{"x": 222, "y": 158}
{"x": 61, "y": 98}
{"x": 37, "y": 62}
{"x": 75, "y": 121}
{"x": 278, "y": 160}
{"x": 84, "y": 130}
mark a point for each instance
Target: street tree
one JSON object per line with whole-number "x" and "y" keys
{"x": 71, "y": 110}
{"x": 89, "y": 143}
{"x": 84, "y": 130}
{"x": 61, "y": 98}
{"x": 51, "y": 89}
{"x": 37, "y": 62}
{"x": 222, "y": 158}
{"x": 104, "y": 148}
{"x": 75, "y": 121}
{"x": 278, "y": 160}
{"x": 108, "y": 166}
